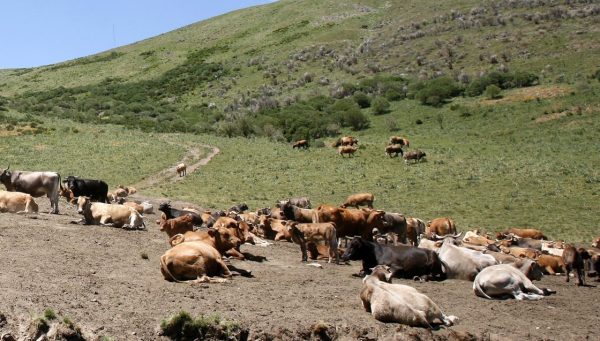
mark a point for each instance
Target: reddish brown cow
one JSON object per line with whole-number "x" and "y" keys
{"x": 393, "y": 150}
{"x": 359, "y": 199}
{"x": 551, "y": 264}
{"x": 351, "y": 222}
{"x": 345, "y": 141}
{"x": 300, "y": 144}
{"x": 274, "y": 229}
{"x": 177, "y": 225}
{"x": 574, "y": 260}
{"x": 526, "y": 233}
{"x": 349, "y": 150}
{"x": 440, "y": 226}
{"x": 414, "y": 228}
{"x": 240, "y": 229}
{"x": 221, "y": 238}
{"x": 414, "y": 155}
{"x": 399, "y": 140}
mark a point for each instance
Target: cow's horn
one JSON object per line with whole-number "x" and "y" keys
{"x": 435, "y": 236}
{"x": 457, "y": 235}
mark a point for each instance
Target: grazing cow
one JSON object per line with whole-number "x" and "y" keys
{"x": 349, "y": 150}
{"x": 35, "y": 184}
{"x": 193, "y": 260}
{"x": 98, "y": 213}
{"x": 440, "y": 226}
{"x": 318, "y": 233}
{"x": 345, "y": 141}
{"x": 171, "y": 212}
{"x": 295, "y": 213}
{"x": 96, "y": 190}
{"x": 414, "y": 228}
{"x": 404, "y": 261}
{"x": 393, "y": 150}
{"x": 460, "y": 262}
{"x": 552, "y": 264}
{"x": 526, "y": 233}
{"x": 395, "y": 223}
{"x": 176, "y": 225}
{"x": 17, "y": 202}
{"x": 509, "y": 280}
{"x": 350, "y": 222}
{"x": 596, "y": 242}
{"x": 181, "y": 169}
{"x": 302, "y": 202}
{"x": 575, "y": 261}
{"x": 300, "y": 144}
{"x": 359, "y": 199}
{"x": 414, "y": 155}
{"x": 399, "y": 303}
{"x": 398, "y": 140}
{"x": 521, "y": 252}
{"x": 239, "y": 208}
{"x": 221, "y": 238}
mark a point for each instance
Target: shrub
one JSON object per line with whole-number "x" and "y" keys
{"x": 492, "y": 91}
{"x": 49, "y": 314}
{"x": 362, "y": 100}
{"x": 380, "y": 106}
{"x": 502, "y": 80}
{"x": 436, "y": 91}
{"x": 183, "y": 327}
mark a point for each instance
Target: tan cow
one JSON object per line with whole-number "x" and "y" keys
{"x": 17, "y": 202}
{"x": 399, "y": 303}
{"x": 194, "y": 260}
{"x": 398, "y": 140}
{"x": 98, "y": 213}
{"x": 347, "y": 150}
{"x": 66, "y": 193}
{"x": 274, "y": 229}
{"x": 181, "y": 169}
{"x": 414, "y": 228}
{"x": 359, "y": 199}
{"x": 552, "y": 264}
{"x": 521, "y": 252}
{"x": 176, "y": 225}
{"x": 300, "y": 144}
{"x": 345, "y": 141}
{"x": 526, "y": 233}
{"x": 440, "y": 226}
{"x": 120, "y": 193}
{"x": 221, "y": 238}
{"x": 318, "y": 233}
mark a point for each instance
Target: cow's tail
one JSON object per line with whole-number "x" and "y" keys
{"x": 479, "y": 291}
{"x": 166, "y": 270}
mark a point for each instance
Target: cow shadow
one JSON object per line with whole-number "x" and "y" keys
{"x": 240, "y": 272}
{"x": 253, "y": 258}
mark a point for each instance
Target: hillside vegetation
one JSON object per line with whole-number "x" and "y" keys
{"x": 501, "y": 95}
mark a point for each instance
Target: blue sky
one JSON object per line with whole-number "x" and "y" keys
{"x": 41, "y": 32}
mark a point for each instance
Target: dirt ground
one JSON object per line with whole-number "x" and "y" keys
{"x": 97, "y": 277}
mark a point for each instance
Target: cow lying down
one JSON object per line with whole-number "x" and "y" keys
{"x": 399, "y": 303}
{"x": 97, "y": 213}
{"x": 510, "y": 281}
{"x": 17, "y": 202}
{"x": 196, "y": 261}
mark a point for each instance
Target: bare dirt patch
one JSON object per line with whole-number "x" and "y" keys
{"x": 98, "y": 277}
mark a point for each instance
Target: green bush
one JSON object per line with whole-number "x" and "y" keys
{"x": 492, "y": 91}
{"x": 183, "y": 327}
{"x": 380, "y": 106}
{"x": 502, "y": 80}
{"x": 435, "y": 91}
{"x": 362, "y": 100}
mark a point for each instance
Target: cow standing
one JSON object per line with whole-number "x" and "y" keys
{"x": 35, "y": 184}
{"x": 96, "y": 190}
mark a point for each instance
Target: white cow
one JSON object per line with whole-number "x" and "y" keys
{"x": 460, "y": 262}
{"x": 97, "y": 213}
{"x": 510, "y": 280}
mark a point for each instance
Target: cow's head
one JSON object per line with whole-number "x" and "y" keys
{"x": 136, "y": 220}
{"x": 165, "y": 206}
{"x": 5, "y": 176}
{"x": 83, "y": 204}
{"x": 530, "y": 268}
{"x": 226, "y": 238}
{"x": 381, "y": 272}
{"x": 355, "y": 250}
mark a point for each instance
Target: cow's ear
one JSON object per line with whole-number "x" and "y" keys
{"x": 212, "y": 232}
{"x": 388, "y": 277}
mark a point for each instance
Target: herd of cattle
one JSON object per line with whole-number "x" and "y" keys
{"x": 348, "y": 145}
{"x": 388, "y": 244}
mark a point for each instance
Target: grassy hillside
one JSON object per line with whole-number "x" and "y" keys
{"x": 528, "y": 157}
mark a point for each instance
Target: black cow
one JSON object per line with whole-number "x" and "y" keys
{"x": 240, "y": 208}
{"x": 96, "y": 190}
{"x": 171, "y": 213}
{"x": 404, "y": 261}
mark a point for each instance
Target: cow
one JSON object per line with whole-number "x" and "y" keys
{"x": 521, "y": 252}
{"x": 575, "y": 261}
{"x": 120, "y": 193}
{"x": 181, "y": 169}
{"x": 414, "y": 228}
{"x": 404, "y": 261}
{"x": 476, "y": 239}
{"x": 414, "y": 155}
{"x": 552, "y": 264}
{"x": 501, "y": 257}
{"x": 35, "y": 184}
{"x": 526, "y": 233}
{"x": 221, "y": 238}
{"x": 134, "y": 205}
{"x": 240, "y": 229}
{"x": 350, "y": 222}
{"x": 594, "y": 264}
{"x": 510, "y": 280}
{"x": 440, "y": 226}
{"x": 295, "y": 213}
{"x": 393, "y": 150}
{"x": 98, "y": 213}
{"x": 345, "y": 141}
{"x": 399, "y": 303}
{"x": 194, "y": 260}
{"x": 96, "y": 190}
{"x": 171, "y": 212}
{"x": 398, "y": 140}
{"x": 349, "y": 150}
{"x": 318, "y": 233}
{"x": 110, "y": 197}
{"x": 177, "y": 225}
{"x": 596, "y": 242}
{"x": 359, "y": 199}
{"x": 554, "y": 248}
{"x": 67, "y": 194}
{"x": 273, "y": 229}
{"x": 17, "y": 202}
{"x": 395, "y": 223}
{"x": 302, "y": 202}
{"x": 239, "y": 208}
{"x": 300, "y": 144}
{"x": 460, "y": 262}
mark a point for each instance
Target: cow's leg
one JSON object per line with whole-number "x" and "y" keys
{"x": 303, "y": 249}
{"x": 568, "y": 272}
{"x": 580, "y": 277}
{"x": 550, "y": 271}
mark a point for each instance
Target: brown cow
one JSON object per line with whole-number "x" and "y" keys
{"x": 393, "y": 150}
{"x": 575, "y": 260}
{"x": 274, "y": 229}
{"x": 318, "y": 233}
{"x": 193, "y": 260}
{"x": 240, "y": 229}
{"x": 521, "y": 252}
{"x": 350, "y": 150}
{"x": 359, "y": 199}
{"x": 221, "y": 238}
{"x": 415, "y": 155}
{"x": 414, "y": 228}
{"x": 526, "y": 233}
{"x": 177, "y": 225}
{"x": 68, "y": 195}
{"x": 596, "y": 242}
{"x": 440, "y": 226}
{"x": 552, "y": 264}
{"x": 351, "y": 222}
{"x": 399, "y": 140}
{"x": 345, "y": 141}
{"x": 17, "y": 202}
{"x": 181, "y": 169}
{"x": 300, "y": 144}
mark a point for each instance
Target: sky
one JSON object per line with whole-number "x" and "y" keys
{"x": 42, "y": 32}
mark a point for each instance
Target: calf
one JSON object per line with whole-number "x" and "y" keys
{"x": 399, "y": 303}
{"x": 347, "y": 150}
{"x": 574, "y": 260}
{"x": 596, "y": 242}
{"x": 108, "y": 214}
{"x": 171, "y": 212}
{"x": 300, "y": 144}
{"x": 17, "y": 202}
{"x": 318, "y": 233}
{"x": 194, "y": 260}
{"x": 177, "y": 225}
{"x": 181, "y": 169}
{"x": 393, "y": 150}
{"x": 414, "y": 155}
{"x": 359, "y": 199}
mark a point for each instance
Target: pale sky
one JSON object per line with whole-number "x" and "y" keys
{"x": 42, "y": 32}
